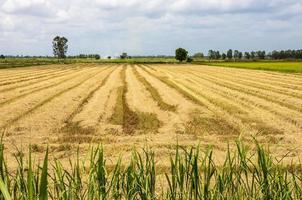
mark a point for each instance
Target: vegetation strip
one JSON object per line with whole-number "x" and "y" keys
{"x": 10, "y": 122}
{"x": 130, "y": 120}
{"x": 244, "y": 174}
{"x": 154, "y": 93}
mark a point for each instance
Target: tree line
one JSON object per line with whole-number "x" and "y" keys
{"x": 259, "y": 55}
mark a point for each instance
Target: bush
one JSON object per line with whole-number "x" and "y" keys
{"x": 189, "y": 59}
{"x": 97, "y": 57}
{"x": 181, "y": 54}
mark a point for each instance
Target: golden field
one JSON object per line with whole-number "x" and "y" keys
{"x": 122, "y": 106}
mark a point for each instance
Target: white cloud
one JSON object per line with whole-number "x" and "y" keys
{"x": 148, "y": 26}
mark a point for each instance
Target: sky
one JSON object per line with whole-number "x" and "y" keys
{"x": 149, "y": 27}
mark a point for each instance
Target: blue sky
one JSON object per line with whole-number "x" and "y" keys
{"x": 149, "y": 27}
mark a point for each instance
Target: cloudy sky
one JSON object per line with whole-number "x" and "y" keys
{"x": 149, "y": 27}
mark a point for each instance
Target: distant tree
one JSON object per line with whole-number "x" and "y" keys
{"x": 109, "y": 57}
{"x": 189, "y": 59}
{"x": 217, "y": 55}
{"x": 97, "y": 56}
{"x": 247, "y": 55}
{"x": 223, "y": 56}
{"x": 2, "y": 56}
{"x": 59, "y": 46}
{"x": 198, "y": 55}
{"x": 236, "y": 54}
{"x": 181, "y": 54}
{"x": 124, "y": 55}
{"x": 211, "y": 55}
{"x": 253, "y": 55}
{"x": 230, "y": 54}
{"x": 261, "y": 54}
{"x": 240, "y": 55}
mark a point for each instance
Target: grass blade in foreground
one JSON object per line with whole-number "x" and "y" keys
{"x": 191, "y": 175}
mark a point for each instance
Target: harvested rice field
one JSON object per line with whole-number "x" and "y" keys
{"x": 122, "y": 106}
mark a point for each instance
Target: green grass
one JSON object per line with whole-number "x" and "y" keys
{"x": 281, "y": 66}
{"x": 191, "y": 175}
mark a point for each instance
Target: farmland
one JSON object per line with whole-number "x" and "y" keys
{"x": 282, "y": 66}
{"x": 161, "y": 108}
{"x": 123, "y": 105}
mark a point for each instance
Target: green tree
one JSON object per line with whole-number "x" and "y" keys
{"x": 230, "y": 54}
{"x": 253, "y": 55}
{"x": 59, "y": 46}
{"x": 181, "y": 54}
{"x": 236, "y": 54}
{"x": 198, "y": 55}
{"x": 97, "y": 56}
{"x": 223, "y": 56}
{"x": 240, "y": 55}
{"x": 247, "y": 55}
{"x": 189, "y": 59}
{"x": 124, "y": 55}
{"x": 2, "y": 56}
{"x": 217, "y": 55}
{"x": 211, "y": 54}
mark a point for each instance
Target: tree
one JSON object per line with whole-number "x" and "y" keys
{"x": 247, "y": 55}
{"x": 189, "y": 59}
{"x": 59, "y": 46}
{"x": 236, "y": 54}
{"x": 261, "y": 54}
{"x": 2, "y": 57}
{"x": 124, "y": 55}
{"x": 97, "y": 56}
{"x": 181, "y": 54}
{"x": 253, "y": 55}
{"x": 211, "y": 54}
{"x": 230, "y": 54}
{"x": 240, "y": 55}
{"x": 109, "y": 57}
{"x": 217, "y": 55}
{"x": 198, "y": 55}
{"x": 223, "y": 56}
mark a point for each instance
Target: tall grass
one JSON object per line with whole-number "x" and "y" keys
{"x": 191, "y": 175}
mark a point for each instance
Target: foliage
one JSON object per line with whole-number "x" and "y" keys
{"x": 60, "y": 47}
{"x": 263, "y": 65}
{"x": 181, "y": 54}
{"x": 97, "y": 56}
{"x": 124, "y": 55}
{"x": 189, "y": 60}
{"x": 191, "y": 174}
{"x": 230, "y": 54}
{"x": 198, "y": 55}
